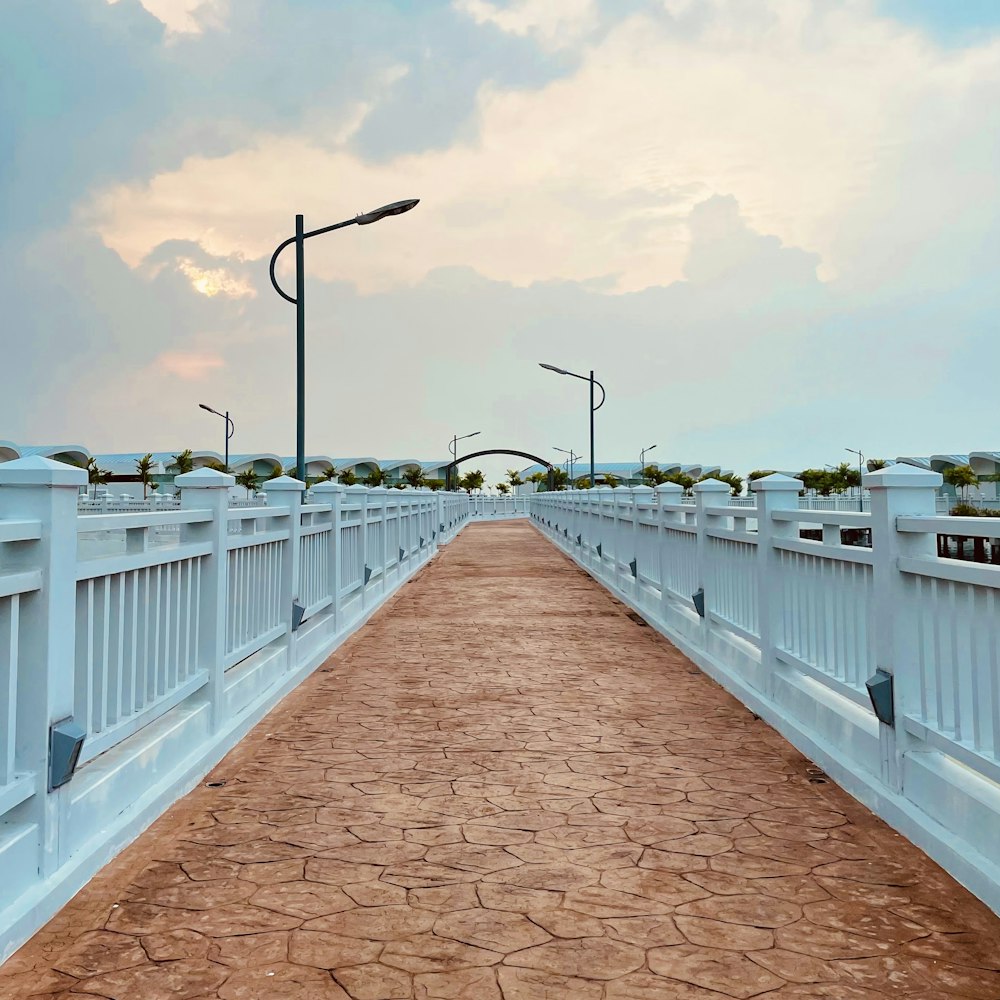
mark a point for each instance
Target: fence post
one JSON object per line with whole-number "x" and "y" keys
{"x": 707, "y": 493}
{"x": 640, "y": 495}
{"x": 622, "y": 498}
{"x": 208, "y": 489}
{"x": 284, "y": 491}
{"x": 666, "y": 494}
{"x": 39, "y": 489}
{"x": 774, "y": 492}
{"x": 358, "y": 494}
{"x": 333, "y": 494}
{"x": 897, "y": 490}
{"x": 380, "y": 501}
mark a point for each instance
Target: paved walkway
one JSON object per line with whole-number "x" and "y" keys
{"x": 506, "y": 787}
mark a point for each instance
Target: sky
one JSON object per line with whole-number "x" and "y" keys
{"x": 770, "y": 228}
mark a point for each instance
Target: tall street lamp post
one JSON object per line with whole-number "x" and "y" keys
{"x": 861, "y": 492}
{"x": 230, "y": 427}
{"x": 299, "y": 301}
{"x": 642, "y": 458}
{"x": 593, "y": 409}
{"x": 573, "y": 456}
{"x": 453, "y": 448}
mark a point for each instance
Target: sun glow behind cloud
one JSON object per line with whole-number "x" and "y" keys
{"x": 191, "y": 366}
{"x": 215, "y": 281}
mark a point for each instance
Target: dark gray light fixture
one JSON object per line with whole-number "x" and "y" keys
{"x": 368, "y": 573}
{"x": 65, "y": 743}
{"x": 698, "y": 599}
{"x": 880, "y": 691}
{"x": 298, "y": 611}
{"x": 600, "y": 550}
{"x": 579, "y": 539}
{"x": 421, "y": 542}
{"x": 402, "y": 553}
{"x": 634, "y": 566}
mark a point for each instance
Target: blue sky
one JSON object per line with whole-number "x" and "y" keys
{"x": 948, "y": 20}
{"x": 771, "y": 228}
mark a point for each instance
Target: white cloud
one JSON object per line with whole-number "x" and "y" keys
{"x": 187, "y": 17}
{"x": 804, "y": 112}
{"x": 554, "y": 23}
{"x": 191, "y": 366}
{"x": 215, "y": 281}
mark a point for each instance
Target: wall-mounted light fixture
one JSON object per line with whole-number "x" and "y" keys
{"x": 65, "y": 743}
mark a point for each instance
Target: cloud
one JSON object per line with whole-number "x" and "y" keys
{"x": 554, "y": 23}
{"x": 186, "y": 17}
{"x": 215, "y": 281}
{"x": 187, "y": 365}
{"x": 806, "y": 114}
{"x": 768, "y": 227}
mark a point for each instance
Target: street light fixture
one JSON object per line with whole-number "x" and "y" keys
{"x": 642, "y": 458}
{"x": 861, "y": 492}
{"x": 230, "y": 427}
{"x": 453, "y": 448}
{"x": 395, "y": 208}
{"x": 573, "y": 456}
{"x": 593, "y": 409}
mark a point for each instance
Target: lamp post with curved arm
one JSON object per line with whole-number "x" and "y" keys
{"x": 573, "y": 456}
{"x": 396, "y": 208}
{"x": 593, "y": 409}
{"x": 230, "y": 427}
{"x": 861, "y": 472}
{"x": 453, "y": 448}
{"x": 642, "y": 459}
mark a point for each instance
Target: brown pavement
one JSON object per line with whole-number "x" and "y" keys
{"x": 506, "y": 787}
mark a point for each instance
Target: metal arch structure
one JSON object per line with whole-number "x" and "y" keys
{"x": 451, "y": 466}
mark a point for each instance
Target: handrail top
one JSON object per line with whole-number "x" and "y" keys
{"x": 251, "y": 513}
{"x": 20, "y": 530}
{"x": 843, "y": 518}
{"x": 945, "y": 524}
{"x": 86, "y": 523}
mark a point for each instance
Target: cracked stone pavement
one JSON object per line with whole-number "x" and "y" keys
{"x": 504, "y": 787}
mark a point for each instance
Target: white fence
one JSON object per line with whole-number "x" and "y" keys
{"x": 796, "y": 627}
{"x": 492, "y": 508}
{"x": 166, "y": 655}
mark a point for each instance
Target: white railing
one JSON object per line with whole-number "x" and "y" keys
{"x": 164, "y": 654}
{"x": 796, "y": 626}
{"x": 483, "y": 507}
{"x": 17, "y": 778}
{"x": 137, "y": 627}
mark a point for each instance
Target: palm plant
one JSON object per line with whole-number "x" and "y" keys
{"x": 328, "y": 475}
{"x": 96, "y": 476}
{"x": 472, "y": 481}
{"x": 514, "y": 477}
{"x": 376, "y": 477}
{"x": 249, "y": 480}
{"x": 414, "y": 477}
{"x": 503, "y": 488}
{"x": 734, "y": 482}
{"x": 347, "y": 478}
{"x": 961, "y": 477}
{"x": 611, "y": 480}
{"x": 144, "y": 466}
{"x": 184, "y": 462}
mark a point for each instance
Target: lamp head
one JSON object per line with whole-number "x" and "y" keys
{"x": 552, "y": 368}
{"x": 395, "y": 208}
